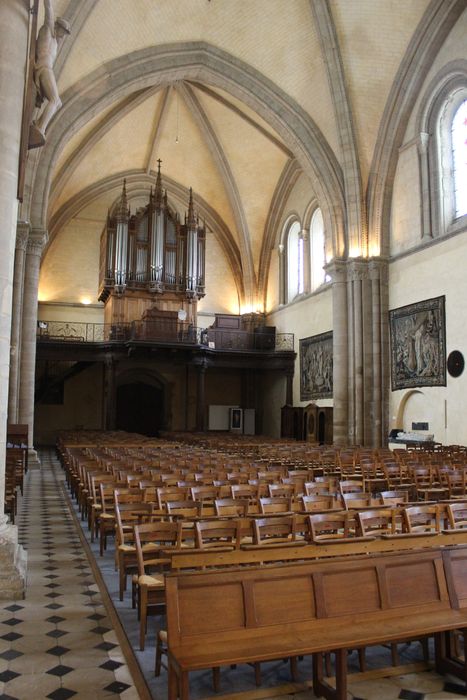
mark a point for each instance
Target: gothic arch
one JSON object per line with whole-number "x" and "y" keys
{"x": 201, "y": 62}
{"x": 435, "y": 25}
{"x": 138, "y": 182}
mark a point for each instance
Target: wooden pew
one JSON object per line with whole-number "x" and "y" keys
{"x": 192, "y": 558}
{"x": 218, "y": 618}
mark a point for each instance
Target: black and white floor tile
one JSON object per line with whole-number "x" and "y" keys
{"x": 60, "y": 641}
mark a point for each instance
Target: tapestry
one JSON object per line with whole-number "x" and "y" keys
{"x": 418, "y": 344}
{"x": 316, "y": 367}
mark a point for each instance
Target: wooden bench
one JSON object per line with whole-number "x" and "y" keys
{"x": 222, "y": 617}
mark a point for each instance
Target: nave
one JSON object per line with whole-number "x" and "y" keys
{"x": 60, "y": 642}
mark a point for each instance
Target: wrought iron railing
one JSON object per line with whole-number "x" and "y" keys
{"x": 170, "y": 332}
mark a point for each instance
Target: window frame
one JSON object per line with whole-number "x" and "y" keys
{"x": 438, "y": 206}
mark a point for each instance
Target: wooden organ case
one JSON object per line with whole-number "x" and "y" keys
{"x": 152, "y": 266}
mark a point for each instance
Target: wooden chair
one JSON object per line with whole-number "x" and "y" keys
{"x": 149, "y": 540}
{"x": 16, "y": 458}
{"x": 95, "y": 506}
{"x": 275, "y": 505}
{"x": 329, "y": 526}
{"x": 231, "y": 507}
{"x": 353, "y": 501}
{"x": 426, "y": 486}
{"x": 351, "y": 486}
{"x": 245, "y": 491}
{"x": 346, "y": 461}
{"x": 170, "y": 493}
{"x": 184, "y": 509}
{"x": 376, "y": 522}
{"x": 374, "y": 479}
{"x": 319, "y": 488}
{"x": 10, "y": 494}
{"x": 281, "y": 490}
{"x": 423, "y": 518}
{"x": 394, "y": 498}
{"x": 457, "y": 515}
{"x": 205, "y": 494}
{"x": 107, "y": 513}
{"x": 274, "y": 530}
{"x": 317, "y": 502}
{"x": 210, "y": 534}
{"x": 130, "y": 510}
{"x": 456, "y": 484}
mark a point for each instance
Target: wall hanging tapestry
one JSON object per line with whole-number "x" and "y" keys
{"x": 316, "y": 367}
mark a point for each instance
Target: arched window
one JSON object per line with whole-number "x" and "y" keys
{"x": 294, "y": 261}
{"x": 443, "y": 156}
{"x": 459, "y": 159}
{"x": 317, "y": 250}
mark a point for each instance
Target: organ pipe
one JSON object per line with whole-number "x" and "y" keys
{"x": 151, "y": 249}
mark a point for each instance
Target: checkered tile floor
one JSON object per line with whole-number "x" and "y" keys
{"x": 59, "y": 643}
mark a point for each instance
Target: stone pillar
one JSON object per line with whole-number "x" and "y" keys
{"x": 350, "y": 359}
{"x": 306, "y": 260}
{"x": 374, "y": 269}
{"x": 22, "y": 234}
{"x": 338, "y": 272}
{"x": 201, "y": 396}
{"x": 356, "y": 273}
{"x": 13, "y": 51}
{"x": 425, "y": 198}
{"x": 282, "y": 276}
{"x": 35, "y": 246}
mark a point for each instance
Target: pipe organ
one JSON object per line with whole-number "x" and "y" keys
{"x": 150, "y": 260}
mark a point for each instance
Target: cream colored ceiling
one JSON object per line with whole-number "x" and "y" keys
{"x": 205, "y": 137}
{"x": 373, "y": 36}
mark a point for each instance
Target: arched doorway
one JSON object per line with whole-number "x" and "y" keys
{"x": 140, "y": 408}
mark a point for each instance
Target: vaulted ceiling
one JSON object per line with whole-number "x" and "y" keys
{"x": 131, "y": 96}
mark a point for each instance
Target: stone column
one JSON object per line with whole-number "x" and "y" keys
{"x": 282, "y": 276}
{"x": 374, "y": 268}
{"x": 356, "y": 274}
{"x": 306, "y": 261}
{"x": 423, "y": 143}
{"x": 22, "y": 234}
{"x": 338, "y": 272}
{"x": 13, "y": 52}
{"x": 35, "y": 246}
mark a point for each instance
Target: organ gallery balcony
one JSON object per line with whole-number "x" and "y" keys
{"x": 165, "y": 332}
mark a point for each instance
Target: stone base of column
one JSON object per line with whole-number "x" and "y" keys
{"x": 33, "y": 459}
{"x": 13, "y": 564}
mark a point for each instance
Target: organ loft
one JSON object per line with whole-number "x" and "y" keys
{"x": 152, "y": 266}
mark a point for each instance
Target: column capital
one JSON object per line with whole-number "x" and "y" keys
{"x": 23, "y": 229}
{"x": 378, "y": 268}
{"x": 37, "y": 241}
{"x": 337, "y": 268}
{"x": 358, "y": 268}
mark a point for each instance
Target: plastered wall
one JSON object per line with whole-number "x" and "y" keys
{"x": 432, "y": 272}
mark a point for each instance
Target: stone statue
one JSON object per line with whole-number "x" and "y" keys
{"x": 49, "y": 38}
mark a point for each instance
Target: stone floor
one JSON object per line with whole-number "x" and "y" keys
{"x": 71, "y": 637}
